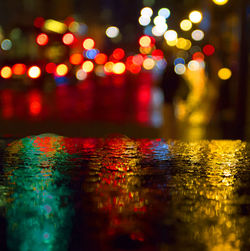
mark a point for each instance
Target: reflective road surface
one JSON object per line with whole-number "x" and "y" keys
{"x": 118, "y": 193}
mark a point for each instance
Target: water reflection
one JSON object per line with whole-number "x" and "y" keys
{"x": 38, "y": 210}
{"x": 118, "y": 193}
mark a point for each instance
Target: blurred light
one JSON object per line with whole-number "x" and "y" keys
{"x": 61, "y": 70}
{"x": 81, "y": 74}
{"x": 188, "y": 45}
{"x": 182, "y": 54}
{"x": 194, "y": 49}
{"x": 181, "y": 43}
{"x": 208, "y": 50}
{"x": 108, "y": 67}
{"x": 195, "y": 16}
{"x": 170, "y": 35}
{"x": 164, "y": 12}
{"x": 91, "y": 54}
{"x": 68, "y": 38}
{"x": 135, "y": 69}
{"x": 18, "y": 69}
{"x": 119, "y": 68}
{"x": 145, "y": 41}
{"x": 101, "y": 58}
{"x": 6, "y": 44}
{"x": 39, "y": 22}
{"x": 148, "y": 2}
{"x": 145, "y": 50}
{"x": 156, "y": 32}
{"x": 88, "y": 66}
{"x": 83, "y": 29}
{"x": 197, "y": 35}
{"x": 88, "y": 44}
{"x": 144, "y": 20}
{"x": 34, "y": 72}
{"x": 99, "y": 71}
{"x": 157, "y": 54}
{"x": 224, "y": 73}
{"x": 112, "y": 32}
{"x": 148, "y": 64}
{"x": 35, "y": 105}
{"x": 180, "y": 69}
{"x": 15, "y": 34}
{"x": 6, "y": 72}
{"x": 137, "y": 59}
{"x": 193, "y": 65}
{"x": 161, "y": 64}
{"x": 172, "y": 42}
{"x": 74, "y": 26}
{"x": 146, "y": 11}
{"x": 148, "y": 30}
{"x": 69, "y": 20}
{"x": 186, "y": 25}
{"x": 50, "y": 67}
{"x": 42, "y": 39}
{"x": 220, "y": 2}
{"x": 118, "y": 53}
{"x": 55, "y": 26}
{"x": 179, "y": 61}
{"x": 159, "y": 20}
{"x": 198, "y": 56}
{"x": 76, "y": 58}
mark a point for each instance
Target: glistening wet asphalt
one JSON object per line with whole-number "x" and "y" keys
{"x": 118, "y": 193}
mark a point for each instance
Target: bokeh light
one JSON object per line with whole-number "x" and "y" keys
{"x": 180, "y": 69}
{"x": 61, "y": 70}
{"x": 179, "y": 61}
{"x": 88, "y": 43}
{"x": 197, "y": 35}
{"x": 145, "y": 41}
{"x": 34, "y": 72}
{"x": 6, "y": 44}
{"x": 76, "y": 58}
{"x": 112, "y": 31}
{"x": 193, "y": 65}
{"x": 137, "y": 59}
{"x": 91, "y": 54}
{"x": 148, "y": 64}
{"x": 50, "y": 67}
{"x": 81, "y": 74}
{"x": 39, "y": 22}
{"x": 158, "y": 20}
{"x": 101, "y": 58}
{"x": 186, "y": 25}
{"x": 220, "y": 2}
{"x": 55, "y": 26}
{"x": 18, "y": 69}
{"x": 144, "y": 20}
{"x": 108, "y": 67}
{"x": 118, "y": 53}
{"x": 74, "y": 26}
{"x": 68, "y": 38}
{"x": 208, "y": 50}
{"x": 42, "y": 39}
{"x": 195, "y": 16}
{"x": 88, "y": 66}
{"x": 164, "y": 12}
{"x": 199, "y": 56}
{"x": 157, "y": 54}
{"x": 170, "y": 35}
{"x": 224, "y": 73}
{"x": 6, "y": 72}
{"x": 147, "y": 11}
{"x": 119, "y": 68}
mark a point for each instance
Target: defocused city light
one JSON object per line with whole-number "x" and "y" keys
{"x": 157, "y": 54}
{"x": 42, "y": 39}
{"x": 81, "y": 74}
{"x": 158, "y": 20}
{"x": 108, "y": 67}
{"x": 224, "y": 73}
{"x": 6, "y": 72}
{"x": 118, "y": 54}
{"x": 170, "y": 35}
{"x": 88, "y": 44}
{"x": 145, "y": 41}
{"x": 208, "y": 50}
{"x": 76, "y": 58}
{"x": 220, "y": 2}
{"x": 61, "y": 70}
{"x": 193, "y": 65}
{"x": 101, "y": 58}
{"x": 119, "y": 68}
{"x": 172, "y": 42}
{"x": 180, "y": 68}
{"x": 179, "y": 61}
{"x": 186, "y": 25}
{"x": 198, "y": 56}
{"x": 39, "y": 22}
{"x": 55, "y": 26}
{"x": 144, "y": 20}
{"x": 18, "y": 69}
{"x": 91, "y": 54}
{"x": 34, "y": 72}
{"x": 88, "y": 66}
{"x": 112, "y": 31}
{"x": 50, "y": 68}
{"x": 195, "y": 16}
{"x": 74, "y": 26}
{"x": 197, "y": 35}
{"x": 147, "y": 11}
{"x": 148, "y": 64}
{"x": 164, "y": 12}
{"x": 137, "y": 59}
{"x": 68, "y": 38}
{"x": 6, "y": 44}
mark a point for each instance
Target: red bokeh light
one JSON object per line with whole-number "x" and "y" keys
{"x": 199, "y": 56}
{"x": 118, "y": 53}
{"x": 18, "y": 69}
{"x": 68, "y": 38}
{"x": 50, "y": 67}
{"x": 208, "y": 50}
{"x": 157, "y": 54}
{"x": 42, "y": 39}
{"x": 38, "y": 22}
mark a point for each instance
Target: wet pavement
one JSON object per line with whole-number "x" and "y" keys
{"x": 118, "y": 193}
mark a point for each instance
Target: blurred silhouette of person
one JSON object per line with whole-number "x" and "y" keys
{"x": 173, "y": 86}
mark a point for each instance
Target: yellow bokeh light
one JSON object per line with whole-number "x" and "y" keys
{"x": 74, "y": 26}
{"x": 61, "y": 70}
{"x": 119, "y": 68}
{"x": 145, "y": 50}
{"x": 220, "y": 2}
{"x": 108, "y": 67}
{"x": 145, "y": 41}
{"x": 88, "y": 44}
{"x": 148, "y": 64}
{"x": 224, "y": 73}
{"x": 188, "y": 45}
{"x": 186, "y": 25}
{"x": 6, "y": 72}
{"x": 181, "y": 43}
{"x": 195, "y": 16}
{"x": 172, "y": 42}
{"x": 55, "y": 26}
{"x": 88, "y": 66}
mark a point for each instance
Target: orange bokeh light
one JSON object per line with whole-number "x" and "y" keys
{"x": 76, "y": 58}
{"x": 6, "y": 72}
{"x": 101, "y": 58}
{"x": 18, "y": 69}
